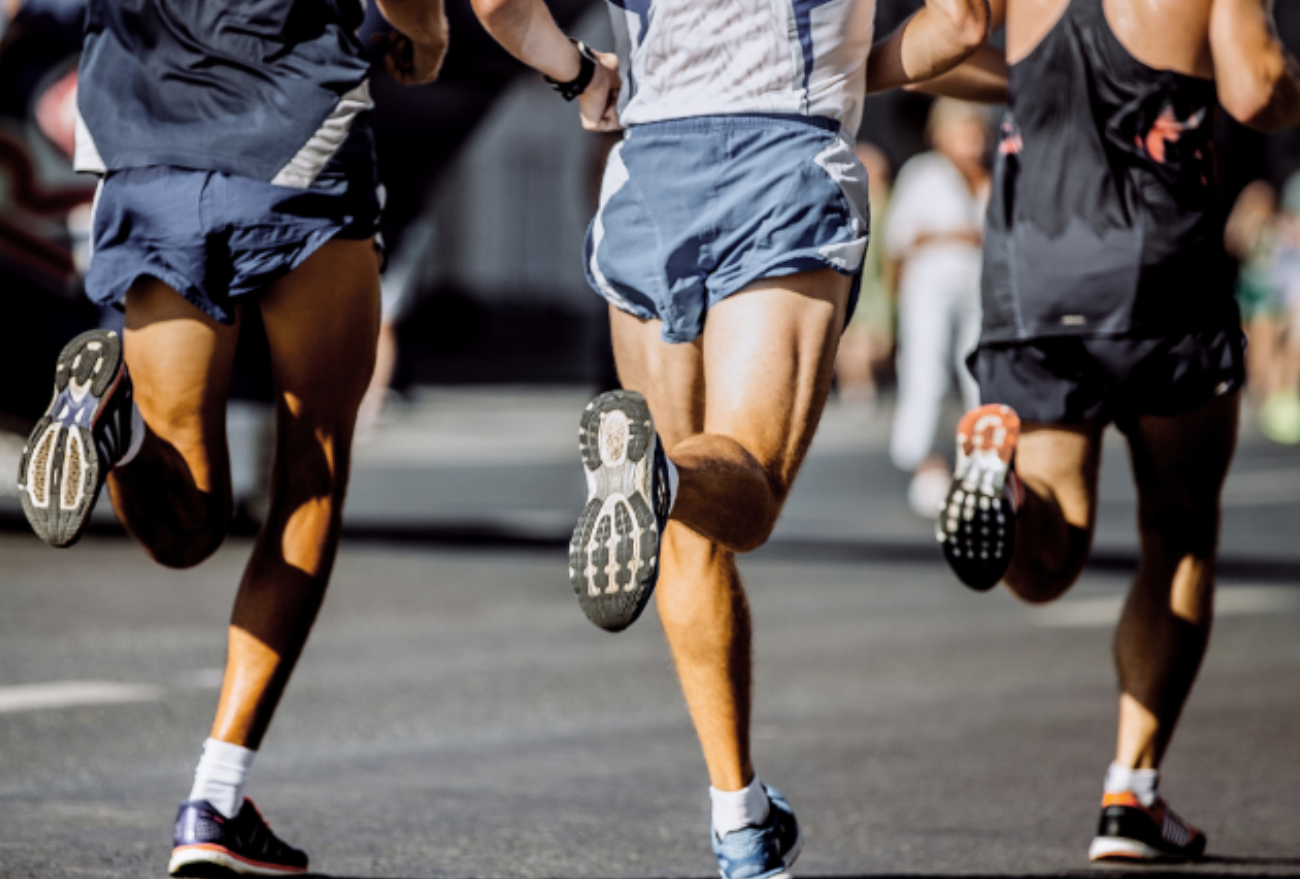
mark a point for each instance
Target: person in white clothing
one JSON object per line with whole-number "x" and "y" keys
{"x": 933, "y": 231}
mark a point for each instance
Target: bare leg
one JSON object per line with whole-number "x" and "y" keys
{"x": 322, "y": 322}
{"x": 1179, "y": 464}
{"x": 737, "y": 411}
{"x": 1058, "y": 467}
{"x": 174, "y": 497}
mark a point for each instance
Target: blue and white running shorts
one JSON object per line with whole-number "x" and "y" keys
{"x": 694, "y": 210}
{"x": 212, "y": 236}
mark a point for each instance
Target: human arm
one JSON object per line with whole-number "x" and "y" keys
{"x": 981, "y": 78}
{"x": 526, "y": 30}
{"x": 414, "y": 54}
{"x": 1258, "y": 80}
{"x": 938, "y": 37}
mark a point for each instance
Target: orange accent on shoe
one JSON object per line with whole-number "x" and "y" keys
{"x": 992, "y": 426}
{"x": 1123, "y": 798}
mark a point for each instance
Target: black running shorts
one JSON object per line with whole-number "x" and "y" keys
{"x": 1077, "y": 379}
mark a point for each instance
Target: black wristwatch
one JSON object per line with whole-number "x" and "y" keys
{"x": 578, "y": 85}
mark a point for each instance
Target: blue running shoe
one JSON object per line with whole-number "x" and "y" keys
{"x": 614, "y": 554}
{"x": 86, "y": 431}
{"x": 766, "y": 852}
{"x": 208, "y": 843}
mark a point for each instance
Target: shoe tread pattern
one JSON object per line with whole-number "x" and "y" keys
{"x": 614, "y": 553}
{"x": 60, "y": 473}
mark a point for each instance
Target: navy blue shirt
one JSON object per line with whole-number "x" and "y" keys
{"x": 239, "y": 86}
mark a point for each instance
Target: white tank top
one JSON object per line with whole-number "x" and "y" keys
{"x": 685, "y": 58}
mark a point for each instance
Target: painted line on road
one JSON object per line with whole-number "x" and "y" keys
{"x": 71, "y": 694}
{"x": 1229, "y": 601}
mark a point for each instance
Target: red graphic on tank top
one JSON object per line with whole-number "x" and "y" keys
{"x": 1168, "y": 129}
{"x": 1011, "y": 143}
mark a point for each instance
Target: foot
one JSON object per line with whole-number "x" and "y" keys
{"x": 84, "y": 433}
{"x": 766, "y": 852}
{"x": 977, "y": 522}
{"x": 614, "y": 554}
{"x": 1131, "y": 831}
{"x": 207, "y": 842}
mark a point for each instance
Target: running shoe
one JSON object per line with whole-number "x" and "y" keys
{"x": 85, "y": 431}
{"x": 614, "y": 554}
{"x": 766, "y": 852}
{"x": 1131, "y": 831}
{"x": 207, "y": 842}
{"x": 977, "y": 522}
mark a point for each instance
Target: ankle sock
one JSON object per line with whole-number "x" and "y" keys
{"x": 673, "y": 479}
{"x": 732, "y": 810}
{"x": 222, "y": 772}
{"x": 137, "y": 437}
{"x": 1142, "y": 783}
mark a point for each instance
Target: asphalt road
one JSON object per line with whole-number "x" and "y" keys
{"x": 455, "y": 715}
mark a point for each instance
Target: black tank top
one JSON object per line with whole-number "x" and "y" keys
{"x": 1102, "y": 219}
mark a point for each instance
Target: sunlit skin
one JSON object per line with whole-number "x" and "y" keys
{"x": 322, "y": 321}
{"x": 736, "y": 409}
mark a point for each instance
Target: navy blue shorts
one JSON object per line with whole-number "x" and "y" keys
{"x": 694, "y": 210}
{"x": 213, "y": 236}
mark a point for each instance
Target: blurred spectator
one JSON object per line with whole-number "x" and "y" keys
{"x": 934, "y": 232}
{"x": 1251, "y": 238}
{"x": 868, "y": 341}
{"x": 1268, "y": 242}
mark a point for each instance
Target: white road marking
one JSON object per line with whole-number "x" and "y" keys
{"x": 69, "y": 694}
{"x": 1083, "y": 613}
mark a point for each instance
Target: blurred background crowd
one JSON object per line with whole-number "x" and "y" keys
{"x": 490, "y": 182}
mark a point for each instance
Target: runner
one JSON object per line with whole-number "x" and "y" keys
{"x": 736, "y": 176}
{"x": 237, "y": 173}
{"x": 1104, "y": 300}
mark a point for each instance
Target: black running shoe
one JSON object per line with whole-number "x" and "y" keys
{"x": 86, "y": 430}
{"x": 614, "y": 554}
{"x": 1131, "y": 831}
{"x": 977, "y": 522}
{"x": 208, "y": 843}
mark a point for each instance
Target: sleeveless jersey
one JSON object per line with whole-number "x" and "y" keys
{"x": 686, "y": 58}
{"x": 266, "y": 89}
{"x": 1102, "y": 220}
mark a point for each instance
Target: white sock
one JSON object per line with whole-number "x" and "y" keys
{"x": 137, "y": 436}
{"x": 733, "y": 810}
{"x": 221, "y": 775}
{"x": 1142, "y": 783}
{"x": 673, "y": 479}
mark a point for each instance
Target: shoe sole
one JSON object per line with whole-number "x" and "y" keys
{"x": 1118, "y": 848}
{"x": 60, "y": 474}
{"x": 976, "y": 527}
{"x": 201, "y": 860}
{"x": 614, "y": 553}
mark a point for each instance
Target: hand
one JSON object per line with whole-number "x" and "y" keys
{"x": 599, "y": 103}
{"x": 409, "y": 62}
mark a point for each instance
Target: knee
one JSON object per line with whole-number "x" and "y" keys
{"x": 189, "y": 551}
{"x": 1179, "y": 526}
{"x": 1036, "y": 579}
{"x": 764, "y": 512}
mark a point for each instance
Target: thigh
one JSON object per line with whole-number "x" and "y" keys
{"x": 1061, "y": 462}
{"x": 769, "y": 353}
{"x": 322, "y": 323}
{"x": 180, "y": 361}
{"x": 670, "y": 375}
{"x": 1179, "y": 465}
